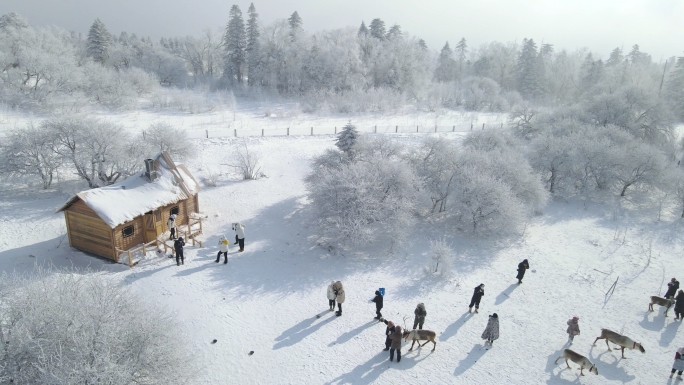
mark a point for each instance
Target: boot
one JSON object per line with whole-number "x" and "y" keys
{"x": 241, "y": 250}
{"x": 183, "y": 262}
{"x": 671, "y": 374}
{"x": 477, "y": 310}
{"x": 217, "y": 260}
{"x": 224, "y": 262}
{"x": 470, "y": 309}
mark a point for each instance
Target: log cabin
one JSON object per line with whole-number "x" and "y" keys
{"x": 108, "y": 221}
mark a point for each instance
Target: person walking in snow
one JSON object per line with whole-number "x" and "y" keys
{"x": 223, "y": 249}
{"x": 477, "y": 296}
{"x": 171, "y": 224}
{"x": 419, "y": 316}
{"x": 331, "y": 296}
{"x": 573, "y": 329}
{"x": 678, "y": 365}
{"x": 396, "y": 338}
{"x": 672, "y": 287}
{"x": 239, "y": 235}
{"x": 378, "y": 304}
{"x": 388, "y": 334}
{"x": 522, "y": 266}
{"x": 491, "y": 332}
{"x": 338, "y": 288}
{"x": 178, "y": 246}
{"x": 679, "y": 306}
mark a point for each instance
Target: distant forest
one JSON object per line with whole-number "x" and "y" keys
{"x": 372, "y": 67}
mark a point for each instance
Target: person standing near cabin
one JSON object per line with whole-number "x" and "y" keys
{"x": 223, "y": 249}
{"x": 378, "y": 304}
{"x": 338, "y": 289}
{"x": 573, "y": 329}
{"x": 522, "y": 266}
{"x": 491, "y": 332}
{"x": 396, "y": 338}
{"x": 672, "y": 287}
{"x": 178, "y": 246}
{"x": 477, "y": 296}
{"x": 678, "y": 365}
{"x": 239, "y": 235}
{"x": 419, "y": 314}
{"x": 388, "y": 334}
{"x": 679, "y": 306}
{"x": 331, "y": 296}
{"x": 171, "y": 224}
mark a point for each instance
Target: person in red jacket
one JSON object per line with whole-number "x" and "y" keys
{"x": 678, "y": 365}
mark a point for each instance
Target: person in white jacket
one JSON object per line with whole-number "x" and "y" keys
{"x": 239, "y": 235}
{"x": 223, "y": 249}
{"x": 331, "y": 296}
{"x": 171, "y": 224}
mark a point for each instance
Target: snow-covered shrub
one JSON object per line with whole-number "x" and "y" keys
{"x": 109, "y": 87}
{"x": 440, "y": 255}
{"x": 247, "y": 161}
{"x": 30, "y": 151}
{"x": 361, "y": 201}
{"x": 435, "y": 162}
{"x": 347, "y": 138}
{"x": 479, "y": 93}
{"x": 523, "y": 120}
{"x": 491, "y": 140}
{"x": 72, "y": 328}
{"x": 140, "y": 81}
{"x": 162, "y": 136}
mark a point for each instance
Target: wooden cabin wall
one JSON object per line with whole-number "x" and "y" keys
{"x": 136, "y": 239}
{"x": 88, "y": 232}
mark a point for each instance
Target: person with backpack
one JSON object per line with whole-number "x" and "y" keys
{"x": 477, "y": 296}
{"x": 223, "y": 249}
{"x": 672, "y": 287}
{"x": 522, "y": 266}
{"x": 378, "y": 304}
{"x": 419, "y": 314}
{"x": 178, "y": 247}
{"x": 573, "y": 329}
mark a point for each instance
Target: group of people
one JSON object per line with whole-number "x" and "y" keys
{"x": 223, "y": 242}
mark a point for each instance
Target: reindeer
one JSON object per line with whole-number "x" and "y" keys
{"x": 667, "y": 302}
{"x": 624, "y": 342}
{"x": 578, "y": 359}
{"x": 419, "y": 335}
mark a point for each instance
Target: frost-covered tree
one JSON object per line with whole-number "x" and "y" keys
{"x": 235, "y": 41}
{"x": 615, "y": 58}
{"x": 461, "y": 49}
{"x": 522, "y": 120}
{"x": 30, "y": 151}
{"x": 253, "y": 50}
{"x": 394, "y": 32}
{"x": 528, "y": 70}
{"x": 675, "y": 89}
{"x": 162, "y": 136}
{"x": 74, "y": 328}
{"x": 446, "y": 65}
{"x": 99, "y": 42}
{"x": 363, "y": 30}
{"x": 347, "y": 138}
{"x": 480, "y": 93}
{"x": 295, "y": 22}
{"x": 441, "y": 256}
{"x": 435, "y": 162}
{"x": 13, "y": 20}
{"x": 377, "y": 29}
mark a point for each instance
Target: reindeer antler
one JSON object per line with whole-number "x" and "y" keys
{"x": 405, "y": 318}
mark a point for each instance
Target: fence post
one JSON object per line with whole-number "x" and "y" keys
{"x": 375, "y": 129}
{"x": 288, "y": 131}
{"x": 396, "y": 129}
{"x": 453, "y": 129}
{"x": 235, "y": 132}
{"x": 471, "y": 125}
{"x": 311, "y": 130}
{"x": 335, "y": 130}
{"x": 144, "y": 135}
{"x": 435, "y": 128}
{"x": 501, "y": 124}
{"x": 262, "y": 132}
{"x": 483, "y": 126}
{"x": 416, "y": 128}
{"x": 207, "y": 132}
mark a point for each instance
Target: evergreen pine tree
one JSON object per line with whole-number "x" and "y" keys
{"x": 377, "y": 29}
{"x": 591, "y": 72}
{"x": 347, "y": 138}
{"x": 615, "y": 58}
{"x": 421, "y": 44}
{"x": 675, "y": 89}
{"x": 235, "y": 42}
{"x": 253, "y": 47}
{"x": 446, "y": 65}
{"x": 363, "y": 30}
{"x": 394, "y": 32}
{"x": 461, "y": 50}
{"x": 528, "y": 70}
{"x": 99, "y": 42}
{"x": 295, "y": 24}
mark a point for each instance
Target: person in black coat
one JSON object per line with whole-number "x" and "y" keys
{"x": 477, "y": 296}
{"x": 420, "y": 313}
{"x": 522, "y": 266}
{"x": 178, "y": 246}
{"x": 672, "y": 287}
{"x": 378, "y": 304}
{"x": 679, "y": 306}
{"x": 388, "y": 332}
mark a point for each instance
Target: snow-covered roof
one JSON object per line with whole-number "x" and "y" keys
{"x": 134, "y": 196}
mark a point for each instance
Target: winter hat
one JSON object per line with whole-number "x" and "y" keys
{"x": 482, "y": 285}
{"x": 680, "y": 350}
{"x": 494, "y": 315}
{"x": 575, "y": 318}
{"x": 173, "y": 216}
{"x": 377, "y": 292}
{"x": 390, "y": 323}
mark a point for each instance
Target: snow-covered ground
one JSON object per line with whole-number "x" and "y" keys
{"x": 269, "y": 298}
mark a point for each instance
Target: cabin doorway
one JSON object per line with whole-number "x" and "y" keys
{"x": 153, "y": 225}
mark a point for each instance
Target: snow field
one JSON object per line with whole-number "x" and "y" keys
{"x": 267, "y": 299}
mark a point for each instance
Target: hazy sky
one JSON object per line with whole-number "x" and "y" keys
{"x": 601, "y": 25}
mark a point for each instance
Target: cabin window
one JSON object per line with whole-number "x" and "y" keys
{"x": 157, "y": 215}
{"x": 128, "y": 231}
{"x": 174, "y": 210}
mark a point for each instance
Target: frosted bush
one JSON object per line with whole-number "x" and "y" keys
{"x": 440, "y": 258}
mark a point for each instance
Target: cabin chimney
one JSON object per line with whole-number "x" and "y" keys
{"x": 150, "y": 173}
